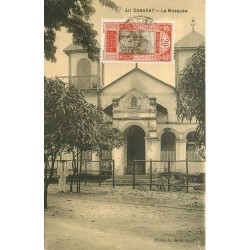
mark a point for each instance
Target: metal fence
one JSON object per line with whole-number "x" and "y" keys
{"x": 157, "y": 175}
{"x": 79, "y": 172}
{"x": 170, "y": 175}
{"x": 89, "y": 82}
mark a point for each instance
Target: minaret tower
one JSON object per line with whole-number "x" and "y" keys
{"x": 184, "y": 50}
{"x": 84, "y": 73}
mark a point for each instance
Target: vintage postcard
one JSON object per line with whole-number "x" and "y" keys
{"x": 124, "y": 115}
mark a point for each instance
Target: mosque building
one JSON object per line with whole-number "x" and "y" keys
{"x": 141, "y": 106}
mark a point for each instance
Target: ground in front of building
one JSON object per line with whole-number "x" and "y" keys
{"x": 122, "y": 218}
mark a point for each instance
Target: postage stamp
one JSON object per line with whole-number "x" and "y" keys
{"x": 150, "y": 42}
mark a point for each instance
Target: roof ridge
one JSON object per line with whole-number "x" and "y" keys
{"x": 193, "y": 32}
{"x": 144, "y": 72}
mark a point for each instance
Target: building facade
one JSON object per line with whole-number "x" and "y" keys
{"x": 141, "y": 106}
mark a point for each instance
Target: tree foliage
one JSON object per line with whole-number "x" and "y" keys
{"x": 53, "y": 118}
{"x": 191, "y": 92}
{"x": 74, "y": 15}
{"x": 72, "y": 123}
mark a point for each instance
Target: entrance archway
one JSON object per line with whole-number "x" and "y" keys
{"x": 135, "y": 149}
{"x": 168, "y": 147}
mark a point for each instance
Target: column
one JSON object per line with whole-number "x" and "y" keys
{"x": 181, "y": 154}
{"x": 118, "y": 157}
{"x": 152, "y": 151}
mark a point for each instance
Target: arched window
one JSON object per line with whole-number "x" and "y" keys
{"x": 83, "y": 67}
{"x": 134, "y": 102}
{"x": 168, "y": 146}
{"x": 83, "y": 73}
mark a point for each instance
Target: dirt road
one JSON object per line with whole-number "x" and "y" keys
{"x": 122, "y": 218}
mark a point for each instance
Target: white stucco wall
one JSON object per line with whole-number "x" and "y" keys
{"x": 183, "y": 57}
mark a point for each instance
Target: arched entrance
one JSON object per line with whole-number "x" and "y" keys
{"x": 168, "y": 147}
{"x": 135, "y": 149}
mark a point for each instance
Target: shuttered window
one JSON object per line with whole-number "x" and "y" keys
{"x": 134, "y": 102}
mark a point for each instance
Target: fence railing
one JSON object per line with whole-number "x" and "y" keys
{"x": 90, "y": 82}
{"x": 178, "y": 174}
{"x": 162, "y": 175}
{"x": 82, "y": 171}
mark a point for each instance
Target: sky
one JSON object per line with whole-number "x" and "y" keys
{"x": 165, "y": 72}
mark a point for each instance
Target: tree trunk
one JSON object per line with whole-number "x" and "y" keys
{"x": 45, "y": 196}
{"x": 74, "y": 173}
{"x": 47, "y": 182}
{"x": 77, "y": 167}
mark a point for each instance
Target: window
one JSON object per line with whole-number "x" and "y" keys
{"x": 134, "y": 102}
{"x": 83, "y": 67}
{"x": 83, "y": 74}
{"x": 168, "y": 146}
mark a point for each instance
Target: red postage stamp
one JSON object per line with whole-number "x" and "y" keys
{"x": 137, "y": 42}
